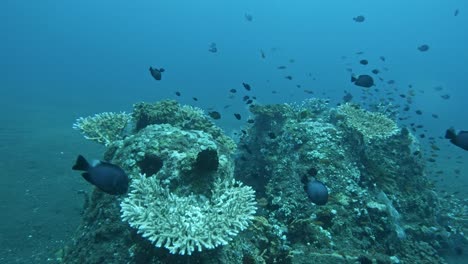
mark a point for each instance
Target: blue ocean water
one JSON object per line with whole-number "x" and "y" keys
{"x": 60, "y": 60}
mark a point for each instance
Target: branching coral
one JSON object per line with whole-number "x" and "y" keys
{"x": 184, "y": 224}
{"x": 103, "y": 128}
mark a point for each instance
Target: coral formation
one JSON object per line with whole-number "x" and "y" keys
{"x": 371, "y": 125}
{"x": 381, "y": 207}
{"x": 184, "y": 224}
{"x": 103, "y": 128}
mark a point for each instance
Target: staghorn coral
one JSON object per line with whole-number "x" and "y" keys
{"x": 184, "y": 224}
{"x": 103, "y": 128}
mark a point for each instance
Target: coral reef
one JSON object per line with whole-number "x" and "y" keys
{"x": 185, "y": 171}
{"x": 379, "y": 195}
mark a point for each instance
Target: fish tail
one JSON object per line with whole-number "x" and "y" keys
{"x": 81, "y": 164}
{"x": 353, "y": 79}
{"x": 450, "y": 133}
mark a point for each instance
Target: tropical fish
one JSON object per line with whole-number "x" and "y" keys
{"x": 107, "y": 177}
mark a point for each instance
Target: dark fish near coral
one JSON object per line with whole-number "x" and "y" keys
{"x": 375, "y": 71}
{"x": 347, "y": 97}
{"x": 238, "y": 116}
{"x": 246, "y": 86}
{"x": 423, "y": 48}
{"x": 107, "y": 177}
{"x": 317, "y": 192}
{"x": 359, "y": 19}
{"x": 459, "y": 139}
{"x": 215, "y": 115}
{"x": 156, "y": 73}
{"x": 364, "y": 62}
{"x": 363, "y": 80}
{"x": 233, "y": 91}
{"x": 177, "y": 93}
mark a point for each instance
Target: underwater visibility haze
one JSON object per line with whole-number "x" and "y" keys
{"x": 234, "y": 131}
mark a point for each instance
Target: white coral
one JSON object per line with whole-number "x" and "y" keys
{"x": 184, "y": 224}
{"x": 103, "y": 128}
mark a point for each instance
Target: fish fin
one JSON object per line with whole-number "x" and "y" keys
{"x": 81, "y": 164}
{"x": 353, "y": 79}
{"x": 87, "y": 177}
{"x": 450, "y": 133}
{"x": 95, "y": 163}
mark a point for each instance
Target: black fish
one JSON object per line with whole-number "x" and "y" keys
{"x": 375, "y": 71}
{"x": 215, "y": 115}
{"x": 363, "y": 80}
{"x": 317, "y": 192}
{"x": 382, "y": 58}
{"x": 456, "y": 12}
{"x": 195, "y": 99}
{"x": 262, "y": 54}
{"x": 248, "y": 17}
{"x": 107, "y": 177}
{"x": 359, "y": 19}
{"x": 289, "y": 77}
{"x": 156, "y": 73}
{"x": 423, "y": 48}
{"x": 177, "y": 93}
{"x": 246, "y": 86}
{"x": 459, "y": 139}
{"x": 347, "y": 97}
{"x": 233, "y": 91}
{"x": 213, "y": 48}
{"x": 238, "y": 116}
{"x": 364, "y": 62}
{"x": 281, "y": 67}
